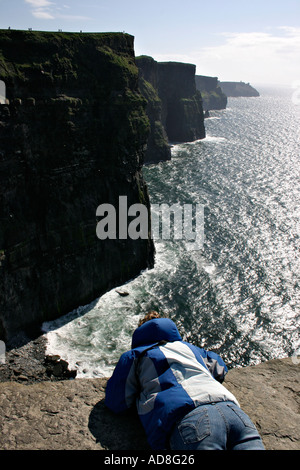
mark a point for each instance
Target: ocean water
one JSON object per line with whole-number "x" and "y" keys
{"x": 239, "y": 294}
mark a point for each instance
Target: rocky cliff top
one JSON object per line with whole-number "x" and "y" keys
{"x": 71, "y": 414}
{"x": 45, "y": 64}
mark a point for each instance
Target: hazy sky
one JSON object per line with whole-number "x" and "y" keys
{"x": 256, "y": 41}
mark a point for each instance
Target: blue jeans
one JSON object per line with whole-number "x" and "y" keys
{"x": 216, "y": 426}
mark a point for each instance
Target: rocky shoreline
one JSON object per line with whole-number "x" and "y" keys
{"x": 42, "y": 409}
{"x": 26, "y": 362}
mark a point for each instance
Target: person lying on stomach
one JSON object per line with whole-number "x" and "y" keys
{"x": 178, "y": 392}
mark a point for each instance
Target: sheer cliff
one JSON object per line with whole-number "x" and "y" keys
{"x": 211, "y": 92}
{"x": 158, "y": 148}
{"x": 182, "y": 103}
{"x": 178, "y": 104}
{"x": 72, "y": 137}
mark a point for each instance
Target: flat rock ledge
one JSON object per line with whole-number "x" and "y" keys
{"x": 71, "y": 414}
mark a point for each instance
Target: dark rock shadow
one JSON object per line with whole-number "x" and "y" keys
{"x": 117, "y": 432}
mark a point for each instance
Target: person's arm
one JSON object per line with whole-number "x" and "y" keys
{"x": 122, "y": 387}
{"x": 215, "y": 364}
{"x": 212, "y": 361}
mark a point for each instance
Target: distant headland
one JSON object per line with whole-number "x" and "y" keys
{"x": 237, "y": 89}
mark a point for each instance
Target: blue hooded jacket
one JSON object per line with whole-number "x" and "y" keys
{"x": 166, "y": 378}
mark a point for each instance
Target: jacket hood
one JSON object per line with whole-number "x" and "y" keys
{"x": 154, "y": 331}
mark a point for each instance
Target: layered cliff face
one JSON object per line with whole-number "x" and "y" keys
{"x": 211, "y": 92}
{"x": 238, "y": 89}
{"x": 72, "y": 138}
{"x": 174, "y": 105}
{"x": 182, "y": 103}
{"x": 158, "y": 148}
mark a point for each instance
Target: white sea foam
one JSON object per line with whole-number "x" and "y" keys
{"x": 211, "y": 118}
{"x": 93, "y": 337}
{"x": 214, "y": 139}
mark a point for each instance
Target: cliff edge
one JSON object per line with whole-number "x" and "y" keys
{"x": 71, "y": 415}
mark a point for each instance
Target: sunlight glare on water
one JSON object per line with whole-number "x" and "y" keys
{"x": 239, "y": 295}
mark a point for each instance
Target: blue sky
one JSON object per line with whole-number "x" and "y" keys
{"x": 254, "y": 41}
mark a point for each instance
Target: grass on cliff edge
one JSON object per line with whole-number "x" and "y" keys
{"x": 31, "y": 49}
